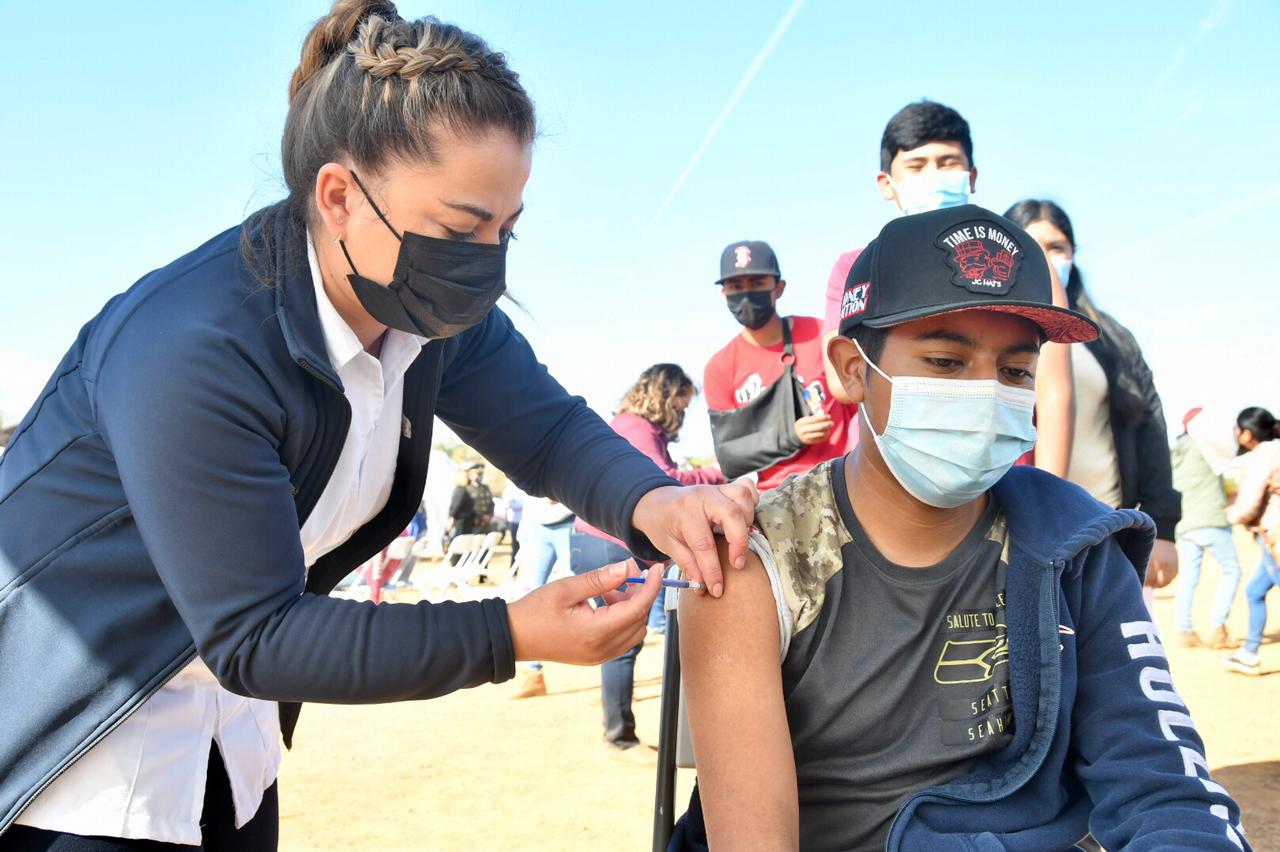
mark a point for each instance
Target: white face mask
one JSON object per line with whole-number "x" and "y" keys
{"x": 932, "y": 190}
{"x": 1062, "y": 266}
{"x": 949, "y": 440}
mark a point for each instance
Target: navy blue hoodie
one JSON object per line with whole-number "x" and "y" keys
{"x": 151, "y": 501}
{"x": 1103, "y": 743}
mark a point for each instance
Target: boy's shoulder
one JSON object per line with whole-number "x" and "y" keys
{"x": 802, "y": 523}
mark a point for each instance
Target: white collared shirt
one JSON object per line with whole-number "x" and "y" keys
{"x": 146, "y": 779}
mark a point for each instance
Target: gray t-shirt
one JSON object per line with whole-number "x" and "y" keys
{"x": 895, "y": 678}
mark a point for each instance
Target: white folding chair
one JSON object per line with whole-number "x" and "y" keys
{"x": 485, "y": 553}
{"x": 468, "y": 580}
{"x": 439, "y": 579}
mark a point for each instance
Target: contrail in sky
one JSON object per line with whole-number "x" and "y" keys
{"x": 1267, "y": 196}
{"x": 1207, "y": 25}
{"x": 743, "y": 83}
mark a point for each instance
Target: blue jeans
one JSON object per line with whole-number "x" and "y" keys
{"x": 544, "y": 547}
{"x": 1266, "y": 578}
{"x": 617, "y": 677}
{"x": 1191, "y": 548}
{"x": 658, "y": 615}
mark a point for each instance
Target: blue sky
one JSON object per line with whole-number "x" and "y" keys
{"x": 133, "y": 135}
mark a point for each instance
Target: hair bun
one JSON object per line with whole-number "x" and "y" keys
{"x": 331, "y": 35}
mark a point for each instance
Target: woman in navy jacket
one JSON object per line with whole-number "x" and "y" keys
{"x": 159, "y": 582}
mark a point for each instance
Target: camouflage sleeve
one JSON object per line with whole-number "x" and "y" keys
{"x": 805, "y": 536}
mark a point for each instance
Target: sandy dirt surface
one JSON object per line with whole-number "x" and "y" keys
{"x": 477, "y": 770}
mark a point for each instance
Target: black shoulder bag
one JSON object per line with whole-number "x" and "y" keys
{"x": 762, "y": 432}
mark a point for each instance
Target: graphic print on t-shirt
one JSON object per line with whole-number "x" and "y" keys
{"x": 971, "y": 660}
{"x": 895, "y": 678}
{"x": 749, "y": 390}
{"x": 815, "y": 392}
{"x": 972, "y": 670}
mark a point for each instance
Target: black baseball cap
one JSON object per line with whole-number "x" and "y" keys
{"x": 955, "y": 259}
{"x": 748, "y": 257}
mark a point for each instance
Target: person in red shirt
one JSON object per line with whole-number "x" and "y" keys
{"x": 751, "y": 283}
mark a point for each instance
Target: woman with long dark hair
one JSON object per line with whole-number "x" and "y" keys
{"x": 243, "y": 427}
{"x": 1257, "y": 507}
{"x": 1120, "y": 447}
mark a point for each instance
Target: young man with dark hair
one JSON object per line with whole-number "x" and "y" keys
{"x": 926, "y": 163}
{"x": 738, "y": 377}
{"x": 929, "y": 648}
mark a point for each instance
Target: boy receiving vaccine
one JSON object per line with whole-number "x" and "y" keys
{"x": 932, "y": 650}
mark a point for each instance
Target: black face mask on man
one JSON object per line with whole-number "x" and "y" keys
{"x": 439, "y": 288}
{"x": 752, "y": 309}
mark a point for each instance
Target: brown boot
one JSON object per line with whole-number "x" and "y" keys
{"x": 1189, "y": 639}
{"x": 532, "y": 686}
{"x": 1219, "y": 640}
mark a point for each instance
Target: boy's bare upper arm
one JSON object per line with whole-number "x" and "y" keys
{"x": 729, "y": 652}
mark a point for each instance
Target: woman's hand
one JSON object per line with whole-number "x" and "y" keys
{"x": 557, "y": 622}
{"x": 683, "y": 522}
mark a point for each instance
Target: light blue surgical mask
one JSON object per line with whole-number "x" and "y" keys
{"x": 949, "y": 440}
{"x": 932, "y": 190}
{"x": 1062, "y": 266}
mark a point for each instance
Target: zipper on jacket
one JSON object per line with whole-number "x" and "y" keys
{"x": 99, "y": 738}
{"x": 1057, "y": 566}
{"x": 346, "y": 423}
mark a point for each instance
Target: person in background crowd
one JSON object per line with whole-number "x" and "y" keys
{"x": 1120, "y": 449}
{"x": 418, "y": 526}
{"x": 232, "y": 435}
{"x": 379, "y": 570}
{"x": 926, "y": 163}
{"x": 1257, "y": 507}
{"x": 481, "y": 499}
{"x": 1203, "y": 528}
{"x": 512, "y": 513}
{"x": 649, "y": 417}
{"x": 752, "y": 283}
{"x": 546, "y": 529}
{"x": 417, "y": 530}
{"x": 462, "y": 514}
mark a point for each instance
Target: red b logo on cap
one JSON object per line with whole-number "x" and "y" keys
{"x": 742, "y": 255}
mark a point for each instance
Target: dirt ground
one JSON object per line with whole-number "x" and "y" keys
{"x": 477, "y": 770}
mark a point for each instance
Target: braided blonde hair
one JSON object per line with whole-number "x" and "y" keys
{"x": 375, "y": 88}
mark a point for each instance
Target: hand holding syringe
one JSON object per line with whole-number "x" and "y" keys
{"x": 670, "y": 584}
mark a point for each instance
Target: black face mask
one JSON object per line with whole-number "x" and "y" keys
{"x": 439, "y": 288}
{"x": 752, "y": 309}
